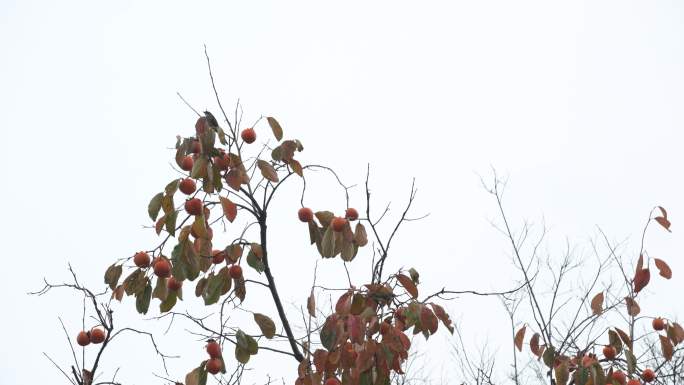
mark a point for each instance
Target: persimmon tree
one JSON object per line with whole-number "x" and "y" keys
{"x": 581, "y": 318}
{"x": 212, "y": 223}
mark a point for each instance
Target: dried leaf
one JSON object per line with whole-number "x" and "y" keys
{"x": 624, "y": 337}
{"x": 275, "y": 126}
{"x": 534, "y": 345}
{"x": 666, "y": 347}
{"x": 443, "y": 316}
{"x": 311, "y": 305}
{"x": 663, "y": 222}
{"x": 408, "y": 284}
{"x": 519, "y": 336}
{"x": 267, "y": 170}
{"x": 641, "y": 279}
{"x": 297, "y": 167}
{"x": 360, "y": 236}
{"x": 597, "y": 304}
{"x": 229, "y": 208}
{"x": 633, "y": 308}
{"x": 664, "y": 269}
{"x": 154, "y": 206}
{"x": 266, "y": 325}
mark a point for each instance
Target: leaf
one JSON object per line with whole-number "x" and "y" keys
{"x": 172, "y": 187}
{"x": 229, "y": 208}
{"x": 415, "y": 277}
{"x": 197, "y": 377}
{"x": 142, "y": 301}
{"x": 168, "y": 303}
{"x": 662, "y": 211}
{"x": 160, "y": 290}
{"x": 328, "y": 333}
{"x": 201, "y": 285}
{"x": 112, "y": 275}
{"x": 428, "y": 320}
{"x": 549, "y": 356}
{"x": 666, "y": 347}
{"x": 242, "y": 355}
{"x": 624, "y": 337}
{"x": 360, "y": 236}
{"x": 641, "y": 279}
{"x": 212, "y": 292}
{"x": 267, "y": 170}
{"x": 633, "y": 308}
{"x": 597, "y": 304}
{"x": 614, "y": 341}
{"x": 167, "y": 204}
{"x": 678, "y": 332}
{"x": 562, "y": 373}
{"x": 311, "y": 304}
{"x": 534, "y": 345}
{"x": 664, "y": 269}
{"x": 266, "y": 325}
{"x": 154, "y": 206}
{"x": 160, "y": 224}
{"x": 297, "y": 167}
{"x": 275, "y": 126}
{"x": 408, "y": 284}
{"x": 343, "y": 305}
{"x": 443, "y": 316}
{"x": 640, "y": 263}
{"x": 663, "y": 222}
{"x": 328, "y": 243}
{"x": 324, "y": 217}
{"x": 135, "y": 282}
{"x": 170, "y": 222}
{"x": 254, "y": 261}
{"x": 519, "y": 337}
{"x": 240, "y": 289}
{"x": 631, "y": 361}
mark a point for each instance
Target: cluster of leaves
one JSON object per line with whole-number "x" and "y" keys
{"x": 586, "y": 368}
{"x": 364, "y": 340}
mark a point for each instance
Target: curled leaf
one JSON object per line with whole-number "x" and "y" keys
{"x": 663, "y": 222}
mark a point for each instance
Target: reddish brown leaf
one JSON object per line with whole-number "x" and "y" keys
{"x": 443, "y": 316}
{"x": 296, "y": 167}
{"x": 534, "y": 345}
{"x": 276, "y": 128}
{"x": 343, "y": 305}
{"x": 666, "y": 347}
{"x": 633, "y": 308}
{"x": 311, "y": 305}
{"x": 428, "y": 319}
{"x": 641, "y": 279}
{"x": 519, "y": 336}
{"x": 229, "y": 208}
{"x": 640, "y": 263}
{"x": 678, "y": 332}
{"x": 664, "y": 269}
{"x": 408, "y": 284}
{"x": 233, "y": 179}
{"x": 663, "y": 222}
{"x": 597, "y": 304}
{"x": 624, "y": 337}
{"x": 662, "y": 211}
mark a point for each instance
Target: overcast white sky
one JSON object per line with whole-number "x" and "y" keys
{"x": 579, "y": 103}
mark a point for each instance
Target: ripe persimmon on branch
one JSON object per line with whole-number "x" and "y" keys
{"x": 229, "y": 178}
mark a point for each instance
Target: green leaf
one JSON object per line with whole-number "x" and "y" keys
{"x": 135, "y": 282}
{"x": 252, "y": 346}
{"x": 112, "y": 275}
{"x": 142, "y": 301}
{"x": 199, "y": 167}
{"x": 172, "y": 187}
{"x": 328, "y": 243}
{"x": 549, "y": 356}
{"x": 154, "y": 206}
{"x": 328, "y": 335}
{"x": 167, "y": 204}
{"x": 168, "y": 303}
{"x": 276, "y": 128}
{"x": 170, "y": 223}
{"x": 242, "y": 355}
{"x": 212, "y": 292}
{"x": 266, "y": 325}
{"x": 631, "y": 361}
{"x": 160, "y": 290}
{"x": 255, "y": 262}
{"x": 241, "y": 340}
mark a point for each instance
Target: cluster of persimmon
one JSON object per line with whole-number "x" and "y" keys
{"x": 215, "y": 361}
{"x": 95, "y": 336}
{"x": 338, "y": 224}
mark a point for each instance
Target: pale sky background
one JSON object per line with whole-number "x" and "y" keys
{"x": 579, "y": 103}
